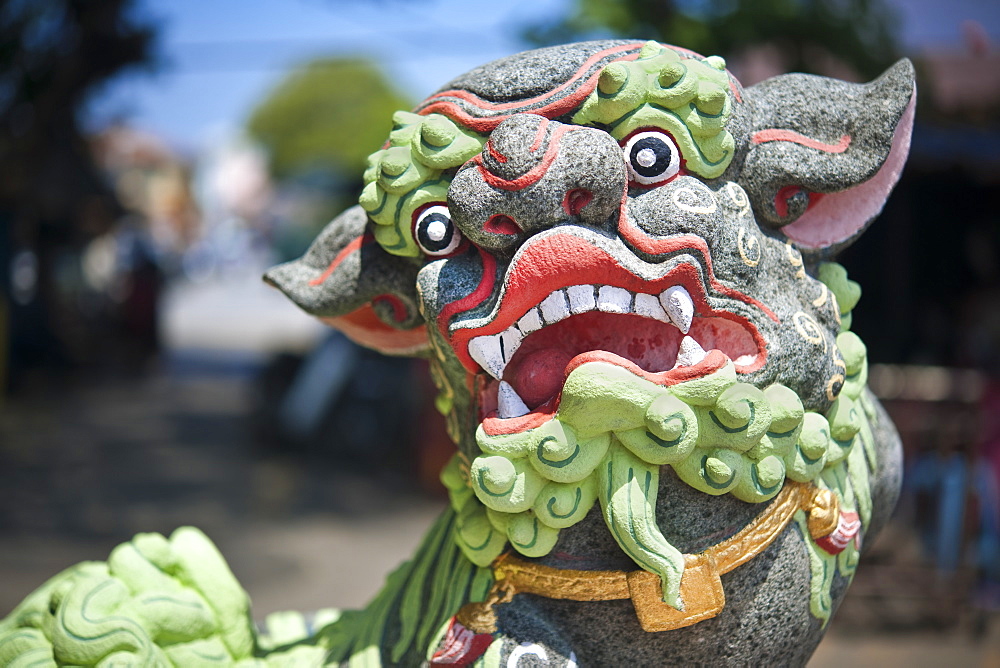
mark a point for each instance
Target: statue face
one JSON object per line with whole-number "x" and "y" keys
{"x": 612, "y": 250}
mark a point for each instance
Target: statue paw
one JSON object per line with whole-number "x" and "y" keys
{"x": 154, "y": 602}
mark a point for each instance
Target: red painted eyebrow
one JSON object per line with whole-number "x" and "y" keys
{"x": 775, "y": 134}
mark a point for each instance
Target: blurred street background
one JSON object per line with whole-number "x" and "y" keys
{"x": 156, "y": 156}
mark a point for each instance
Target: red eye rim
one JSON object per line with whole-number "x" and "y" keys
{"x": 653, "y": 182}
{"x": 784, "y": 194}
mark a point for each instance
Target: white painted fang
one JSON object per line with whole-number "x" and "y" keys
{"x": 509, "y": 404}
{"x": 690, "y": 353}
{"x": 510, "y": 341}
{"x": 530, "y": 322}
{"x": 554, "y": 307}
{"x": 486, "y": 351}
{"x": 614, "y": 300}
{"x": 677, "y": 303}
{"x": 581, "y": 298}
{"x": 649, "y": 306}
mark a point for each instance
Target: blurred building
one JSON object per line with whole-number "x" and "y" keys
{"x": 152, "y": 182}
{"x": 931, "y": 308}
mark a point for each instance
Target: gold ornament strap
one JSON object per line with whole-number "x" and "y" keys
{"x": 701, "y": 586}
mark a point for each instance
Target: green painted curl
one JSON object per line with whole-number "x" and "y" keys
{"x": 612, "y": 432}
{"x": 411, "y": 171}
{"x": 687, "y": 97}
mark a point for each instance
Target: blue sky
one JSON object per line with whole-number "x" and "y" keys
{"x": 220, "y": 57}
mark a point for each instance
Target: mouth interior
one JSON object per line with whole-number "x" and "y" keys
{"x": 538, "y": 368}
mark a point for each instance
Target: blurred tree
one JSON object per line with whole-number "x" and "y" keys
{"x": 53, "y": 55}
{"x": 53, "y": 199}
{"x": 858, "y": 33}
{"x": 326, "y": 117}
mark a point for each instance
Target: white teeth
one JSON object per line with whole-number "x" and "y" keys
{"x": 530, "y": 322}
{"x": 673, "y": 305}
{"x": 581, "y": 298}
{"x": 554, "y": 307}
{"x": 509, "y": 404}
{"x": 678, "y": 305}
{"x": 614, "y": 300}
{"x": 486, "y": 351}
{"x": 510, "y": 341}
{"x": 690, "y": 353}
{"x": 649, "y": 306}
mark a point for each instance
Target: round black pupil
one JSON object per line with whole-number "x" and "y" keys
{"x": 429, "y": 232}
{"x": 650, "y": 156}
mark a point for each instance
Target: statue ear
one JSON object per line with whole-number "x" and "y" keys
{"x": 824, "y": 154}
{"x": 349, "y": 282}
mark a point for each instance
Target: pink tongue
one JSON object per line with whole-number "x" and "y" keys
{"x": 538, "y": 375}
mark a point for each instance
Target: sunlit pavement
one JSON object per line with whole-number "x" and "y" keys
{"x": 238, "y": 313}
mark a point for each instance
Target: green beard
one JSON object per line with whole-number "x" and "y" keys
{"x": 614, "y": 430}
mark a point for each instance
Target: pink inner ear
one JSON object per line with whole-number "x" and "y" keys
{"x": 839, "y": 216}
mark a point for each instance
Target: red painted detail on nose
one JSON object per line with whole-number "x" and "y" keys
{"x": 497, "y": 155}
{"x": 786, "y": 193}
{"x": 539, "y": 135}
{"x": 501, "y": 224}
{"x": 533, "y": 175}
{"x": 575, "y": 201}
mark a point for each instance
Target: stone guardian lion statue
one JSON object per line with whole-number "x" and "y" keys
{"x": 619, "y": 263}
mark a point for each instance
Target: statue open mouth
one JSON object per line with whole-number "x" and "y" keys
{"x": 663, "y": 330}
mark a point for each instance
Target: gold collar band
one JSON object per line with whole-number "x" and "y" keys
{"x": 701, "y": 586}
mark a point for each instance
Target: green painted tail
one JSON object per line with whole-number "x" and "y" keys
{"x": 406, "y": 618}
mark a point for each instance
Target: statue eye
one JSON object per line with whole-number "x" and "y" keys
{"x": 652, "y": 157}
{"x": 434, "y": 231}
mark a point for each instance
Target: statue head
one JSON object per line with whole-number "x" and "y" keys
{"x": 612, "y": 253}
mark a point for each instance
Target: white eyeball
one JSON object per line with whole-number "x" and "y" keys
{"x": 652, "y": 157}
{"x": 435, "y": 233}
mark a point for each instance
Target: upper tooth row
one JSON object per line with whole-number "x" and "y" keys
{"x": 673, "y": 305}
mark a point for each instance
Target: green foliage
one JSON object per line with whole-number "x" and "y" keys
{"x": 860, "y": 33}
{"x": 327, "y": 116}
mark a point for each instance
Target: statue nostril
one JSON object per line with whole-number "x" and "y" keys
{"x": 575, "y": 200}
{"x": 501, "y": 224}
